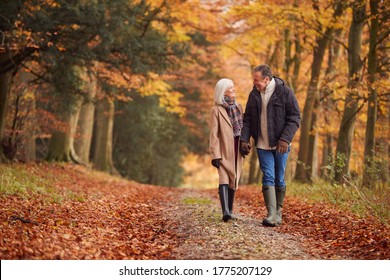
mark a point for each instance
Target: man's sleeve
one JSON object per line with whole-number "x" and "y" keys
{"x": 245, "y": 132}
{"x": 293, "y": 118}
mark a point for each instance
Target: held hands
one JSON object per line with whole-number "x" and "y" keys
{"x": 282, "y": 147}
{"x": 245, "y": 149}
{"x": 216, "y": 162}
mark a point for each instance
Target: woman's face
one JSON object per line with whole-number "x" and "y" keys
{"x": 230, "y": 92}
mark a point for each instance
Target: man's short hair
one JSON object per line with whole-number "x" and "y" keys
{"x": 265, "y": 70}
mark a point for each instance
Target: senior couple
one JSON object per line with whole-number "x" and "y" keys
{"x": 271, "y": 117}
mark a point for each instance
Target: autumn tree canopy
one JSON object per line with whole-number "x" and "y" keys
{"x": 127, "y": 60}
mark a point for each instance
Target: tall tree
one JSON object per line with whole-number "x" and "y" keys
{"x": 297, "y": 55}
{"x": 327, "y": 107}
{"x": 305, "y": 166}
{"x": 355, "y": 64}
{"x": 83, "y": 140}
{"x": 19, "y": 139}
{"x": 103, "y": 133}
{"x": 9, "y": 58}
{"x": 66, "y": 80}
{"x": 369, "y": 147}
{"x": 5, "y": 82}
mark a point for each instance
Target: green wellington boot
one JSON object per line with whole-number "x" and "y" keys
{"x": 270, "y": 203}
{"x": 280, "y": 193}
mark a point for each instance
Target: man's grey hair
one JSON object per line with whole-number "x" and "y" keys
{"x": 265, "y": 70}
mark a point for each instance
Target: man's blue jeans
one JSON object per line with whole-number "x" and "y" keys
{"x": 273, "y": 166}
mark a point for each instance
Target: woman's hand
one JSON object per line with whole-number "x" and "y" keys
{"x": 216, "y": 162}
{"x": 245, "y": 149}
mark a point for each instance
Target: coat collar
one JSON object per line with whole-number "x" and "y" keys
{"x": 224, "y": 114}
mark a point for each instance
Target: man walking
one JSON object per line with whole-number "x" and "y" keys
{"x": 272, "y": 118}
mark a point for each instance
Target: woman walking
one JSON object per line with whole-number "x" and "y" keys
{"x": 225, "y": 130}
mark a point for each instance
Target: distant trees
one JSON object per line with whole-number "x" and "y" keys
{"x": 149, "y": 142}
{"x": 85, "y": 58}
{"x": 76, "y": 48}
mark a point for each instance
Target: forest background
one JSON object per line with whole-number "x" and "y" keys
{"x": 126, "y": 86}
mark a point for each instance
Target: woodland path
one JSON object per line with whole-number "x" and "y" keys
{"x": 90, "y": 215}
{"x": 207, "y": 237}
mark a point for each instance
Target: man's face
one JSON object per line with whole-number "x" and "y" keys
{"x": 259, "y": 81}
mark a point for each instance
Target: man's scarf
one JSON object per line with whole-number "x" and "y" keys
{"x": 234, "y": 115}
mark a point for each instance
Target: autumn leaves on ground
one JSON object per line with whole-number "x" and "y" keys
{"x": 76, "y": 213}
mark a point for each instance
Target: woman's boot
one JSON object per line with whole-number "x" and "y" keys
{"x": 231, "y": 194}
{"x": 223, "y": 196}
{"x": 280, "y": 193}
{"x": 270, "y": 203}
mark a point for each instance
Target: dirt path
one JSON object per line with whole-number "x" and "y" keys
{"x": 206, "y": 237}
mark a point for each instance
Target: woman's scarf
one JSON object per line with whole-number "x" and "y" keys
{"x": 234, "y": 114}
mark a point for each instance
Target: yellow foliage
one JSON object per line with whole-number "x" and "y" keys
{"x": 170, "y": 100}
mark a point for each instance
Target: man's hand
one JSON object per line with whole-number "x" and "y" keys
{"x": 282, "y": 147}
{"x": 245, "y": 149}
{"x": 216, "y": 162}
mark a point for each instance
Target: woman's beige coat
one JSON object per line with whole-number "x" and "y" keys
{"x": 222, "y": 146}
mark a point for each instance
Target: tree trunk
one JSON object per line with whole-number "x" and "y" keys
{"x": 102, "y": 159}
{"x": 59, "y": 148}
{"x": 345, "y": 137}
{"x": 28, "y": 147}
{"x": 327, "y": 152}
{"x": 73, "y": 129}
{"x": 291, "y": 165}
{"x": 297, "y": 57}
{"x": 313, "y": 140}
{"x": 82, "y": 143}
{"x": 276, "y": 58}
{"x": 29, "y": 138}
{"x": 287, "y": 57}
{"x": 61, "y": 142}
{"x": 369, "y": 145}
{"x": 305, "y": 164}
{"x": 5, "y": 82}
{"x": 383, "y": 147}
{"x": 328, "y": 107}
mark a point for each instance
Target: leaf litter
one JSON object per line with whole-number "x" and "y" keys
{"x": 107, "y": 217}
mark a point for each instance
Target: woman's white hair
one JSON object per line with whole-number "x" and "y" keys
{"x": 220, "y": 88}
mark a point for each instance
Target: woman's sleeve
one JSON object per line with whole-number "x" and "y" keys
{"x": 215, "y": 148}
